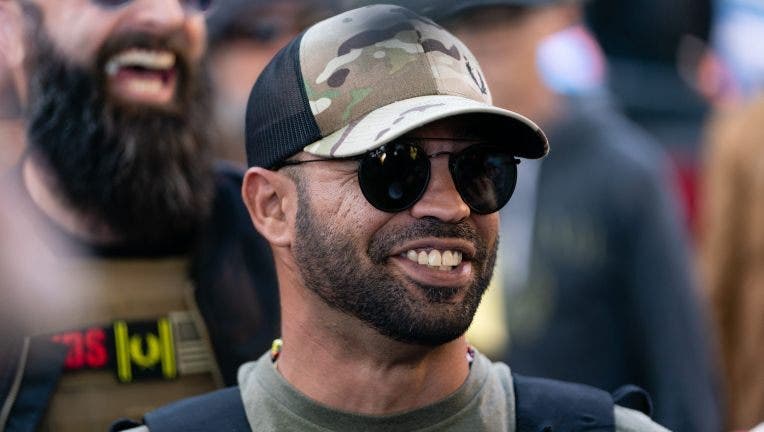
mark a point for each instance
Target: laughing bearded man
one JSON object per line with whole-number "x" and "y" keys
{"x": 181, "y": 288}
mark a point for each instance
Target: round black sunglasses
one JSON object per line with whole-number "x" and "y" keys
{"x": 200, "y": 5}
{"x": 395, "y": 176}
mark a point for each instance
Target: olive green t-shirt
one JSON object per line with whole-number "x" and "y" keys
{"x": 485, "y": 402}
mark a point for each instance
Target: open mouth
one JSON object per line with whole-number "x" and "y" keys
{"x": 435, "y": 263}
{"x": 445, "y": 260}
{"x": 143, "y": 76}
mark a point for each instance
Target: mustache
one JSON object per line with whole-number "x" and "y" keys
{"x": 175, "y": 42}
{"x": 383, "y": 242}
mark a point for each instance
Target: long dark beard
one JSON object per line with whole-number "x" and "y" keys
{"x": 144, "y": 172}
{"x": 367, "y": 290}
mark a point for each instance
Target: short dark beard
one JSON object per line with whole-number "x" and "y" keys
{"x": 144, "y": 172}
{"x": 369, "y": 292}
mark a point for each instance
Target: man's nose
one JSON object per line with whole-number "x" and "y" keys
{"x": 441, "y": 199}
{"x": 159, "y": 15}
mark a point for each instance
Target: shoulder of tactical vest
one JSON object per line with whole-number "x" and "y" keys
{"x": 544, "y": 404}
{"x": 222, "y": 410}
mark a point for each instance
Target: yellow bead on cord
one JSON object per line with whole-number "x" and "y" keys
{"x": 276, "y": 349}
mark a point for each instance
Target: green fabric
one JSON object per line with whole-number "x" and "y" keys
{"x": 485, "y": 402}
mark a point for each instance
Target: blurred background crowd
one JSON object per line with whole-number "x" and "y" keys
{"x": 633, "y": 253}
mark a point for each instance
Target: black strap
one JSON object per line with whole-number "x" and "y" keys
{"x": 220, "y": 411}
{"x": 41, "y": 375}
{"x": 631, "y": 396}
{"x": 553, "y": 406}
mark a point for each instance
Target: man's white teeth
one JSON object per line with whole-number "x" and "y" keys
{"x": 147, "y": 59}
{"x": 412, "y": 255}
{"x": 434, "y": 258}
{"x": 145, "y": 85}
{"x": 444, "y": 261}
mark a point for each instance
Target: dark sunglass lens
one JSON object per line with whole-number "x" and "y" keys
{"x": 485, "y": 177}
{"x": 201, "y": 5}
{"x": 394, "y": 178}
{"x": 110, "y": 3}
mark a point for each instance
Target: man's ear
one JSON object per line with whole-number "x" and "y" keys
{"x": 271, "y": 199}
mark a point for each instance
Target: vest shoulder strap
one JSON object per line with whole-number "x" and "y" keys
{"x": 222, "y": 411}
{"x": 545, "y": 405}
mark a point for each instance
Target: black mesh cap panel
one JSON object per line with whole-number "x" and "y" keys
{"x": 279, "y": 121}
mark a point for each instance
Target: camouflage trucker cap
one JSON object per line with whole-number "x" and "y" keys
{"x": 353, "y": 82}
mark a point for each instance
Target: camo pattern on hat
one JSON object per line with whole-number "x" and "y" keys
{"x": 439, "y": 10}
{"x": 367, "y": 77}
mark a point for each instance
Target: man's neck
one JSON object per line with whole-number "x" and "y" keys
{"x": 341, "y": 363}
{"x": 42, "y": 186}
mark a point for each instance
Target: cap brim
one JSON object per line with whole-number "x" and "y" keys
{"x": 390, "y": 122}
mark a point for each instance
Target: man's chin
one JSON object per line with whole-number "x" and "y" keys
{"x": 438, "y": 315}
{"x": 431, "y": 337}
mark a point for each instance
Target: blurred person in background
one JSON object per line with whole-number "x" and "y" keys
{"x": 180, "y": 289}
{"x": 732, "y": 253}
{"x": 732, "y": 216}
{"x": 653, "y": 49}
{"x": 243, "y": 37}
{"x": 12, "y": 85}
{"x": 597, "y": 278}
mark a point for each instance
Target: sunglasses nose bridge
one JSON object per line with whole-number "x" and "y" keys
{"x": 160, "y": 15}
{"x": 441, "y": 199}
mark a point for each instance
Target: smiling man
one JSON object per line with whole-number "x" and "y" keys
{"x": 180, "y": 288}
{"x": 378, "y": 166}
